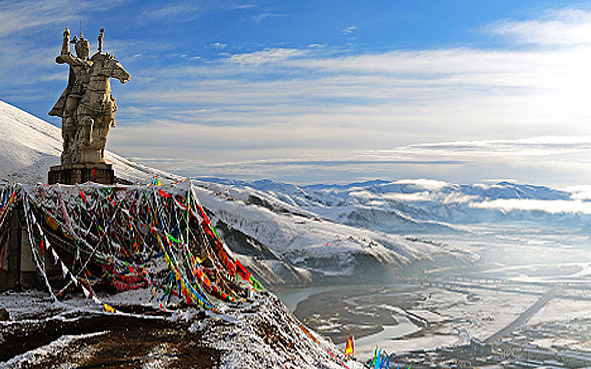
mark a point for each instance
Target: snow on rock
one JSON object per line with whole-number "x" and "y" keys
{"x": 259, "y": 332}
{"x": 50, "y": 352}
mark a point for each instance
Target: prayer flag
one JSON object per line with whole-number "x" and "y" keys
{"x": 242, "y": 271}
{"x": 86, "y": 292}
{"x": 64, "y": 270}
{"x": 377, "y": 359}
{"x": 56, "y": 258}
{"x": 162, "y": 193}
{"x": 385, "y": 362}
{"x": 255, "y": 284}
{"x": 350, "y": 347}
{"x": 172, "y": 238}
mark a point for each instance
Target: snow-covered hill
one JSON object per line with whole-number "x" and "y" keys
{"x": 321, "y": 248}
{"x": 283, "y": 237}
{"x": 29, "y": 146}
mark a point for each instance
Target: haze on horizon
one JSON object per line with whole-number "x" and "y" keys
{"x": 328, "y": 91}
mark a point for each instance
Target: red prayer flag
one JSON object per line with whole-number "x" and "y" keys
{"x": 164, "y": 194}
{"x": 242, "y": 271}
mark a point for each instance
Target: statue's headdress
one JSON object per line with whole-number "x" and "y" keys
{"x": 80, "y": 44}
{"x": 100, "y": 40}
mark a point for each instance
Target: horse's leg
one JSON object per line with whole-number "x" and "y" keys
{"x": 69, "y": 129}
{"x": 101, "y": 136}
{"x": 93, "y": 151}
{"x": 86, "y": 127}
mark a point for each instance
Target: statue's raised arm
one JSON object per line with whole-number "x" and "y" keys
{"x": 65, "y": 45}
{"x": 82, "y": 50}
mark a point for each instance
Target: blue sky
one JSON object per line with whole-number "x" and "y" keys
{"x": 328, "y": 91}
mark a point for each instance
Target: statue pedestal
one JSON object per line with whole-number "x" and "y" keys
{"x": 81, "y": 173}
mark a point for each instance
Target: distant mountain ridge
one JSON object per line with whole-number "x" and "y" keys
{"x": 409, "y": 206}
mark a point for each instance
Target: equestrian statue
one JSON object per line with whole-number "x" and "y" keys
{"x": 86, "y": 106}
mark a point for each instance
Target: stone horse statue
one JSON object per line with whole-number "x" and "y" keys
{"x": 96, "y": 110}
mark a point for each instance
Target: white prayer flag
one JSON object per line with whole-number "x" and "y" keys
{"x": 56, "y": 258}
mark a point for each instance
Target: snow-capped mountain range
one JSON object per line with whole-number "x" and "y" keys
{"x": 421, "y": 206}
{"x": 287, "y": 234}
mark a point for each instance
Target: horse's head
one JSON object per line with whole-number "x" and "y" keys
{"x": 108, "y": 66}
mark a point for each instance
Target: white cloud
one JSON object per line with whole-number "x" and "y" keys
{"x": 17, "y": 16}
{"x": 579, "y": 193}
{"x": 535, "y": 146}
{"x": 266, "y": 56}
{"x": 571, "y": 26}
{"x": 174, "y": 12}
{"x": 411, "y": 197}
{"x": 457, "y": 198}
{"x": 349, "y": 30}
{"x": 219, "y": 46}
{"x": 433, "y": 194}
{"x": 424, "y": 184}
{"x": 35, "y": 15}
{"x": 261, "y": 17}
{"x": 553, "y": 207}
{"x": 188, "y": 10}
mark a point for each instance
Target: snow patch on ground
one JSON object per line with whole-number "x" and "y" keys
{"x": 46, "y": 353}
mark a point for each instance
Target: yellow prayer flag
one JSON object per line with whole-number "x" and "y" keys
{"x": 350, "y": 347}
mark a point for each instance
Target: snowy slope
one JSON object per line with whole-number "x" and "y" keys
{"x": 257, "y": 333}
{"x": 29, "y": 146}
{"x": 380, "y": 228}
{"x": 327, "y": 249}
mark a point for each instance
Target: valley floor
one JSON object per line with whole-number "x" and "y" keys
{"x": 441, "y": 313}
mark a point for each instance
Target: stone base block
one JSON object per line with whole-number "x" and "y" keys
{"x": 81, "y": 173}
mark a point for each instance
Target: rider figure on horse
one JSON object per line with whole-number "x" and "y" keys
{"x": 80, "y": 68}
